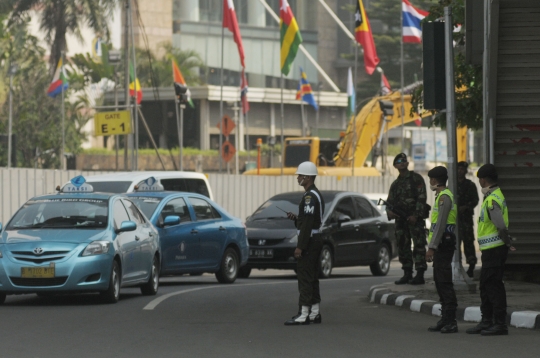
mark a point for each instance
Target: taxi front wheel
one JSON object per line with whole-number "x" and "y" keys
{"x": 2, "y": 297}
{"x": 112, "y": 294}
{"x": 228, "y": 270}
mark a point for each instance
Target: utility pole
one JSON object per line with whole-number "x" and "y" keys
{"x": 12, "y": 71}
{"x": 127, "y": 144}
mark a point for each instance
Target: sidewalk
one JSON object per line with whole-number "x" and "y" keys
{"x": 523, "y": 301}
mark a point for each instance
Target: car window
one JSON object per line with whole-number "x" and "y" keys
{"x": 182, "y": 184}
{"x": 344, "y": 206}
{"x": 134, "y": 212}
{"x": 146, "y": 204}
{"x": 119, "y": 214}
{"x": 203, "y": 210}
{"x": 364, "y": 208}
{"x": 175, "y": 207}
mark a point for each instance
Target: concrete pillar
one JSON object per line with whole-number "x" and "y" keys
{"x": 272, "y": 120}
{"x": 256, "y": 14}
{"x": 205, "y": 124}
{"x": 188, "y": 10}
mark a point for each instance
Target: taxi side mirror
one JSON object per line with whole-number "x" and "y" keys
{"x": 127, "y": 226}
{"x": 171, "y": 220}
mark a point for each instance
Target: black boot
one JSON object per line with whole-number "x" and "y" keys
{"x": 498, "y": 329}
{"x": 470, "y": 271}
{"x": 418, "y": 279}
{"x": 438, "y": 326}
{"x": 451, "y": 323}
{"x": 407, "y": 276}
{"x": 483, "y": 325}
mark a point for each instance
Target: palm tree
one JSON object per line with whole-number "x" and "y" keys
{"x": 60, "y": 17}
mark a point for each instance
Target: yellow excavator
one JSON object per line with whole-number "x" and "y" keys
{"x": 363, "y": 134}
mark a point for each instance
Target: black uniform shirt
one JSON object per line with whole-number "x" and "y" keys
{"x": 310, "y": 215}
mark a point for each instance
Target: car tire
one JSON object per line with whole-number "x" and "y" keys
{"x": 112, "y": 294}
{"x": 151, "y": 287}
{"x": 326, "y": 262}
{"x": 2, "y": 297}
{"x": 244, "y": 272}
{"x": 228, "y": 269}
{"x": 382, "y": 265}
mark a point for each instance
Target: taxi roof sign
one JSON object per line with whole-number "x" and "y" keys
{"x": 78, "y": 185}
{"x": 150, "y": 184}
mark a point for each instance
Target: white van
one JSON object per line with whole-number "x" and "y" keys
{"x": 124, "y": 182}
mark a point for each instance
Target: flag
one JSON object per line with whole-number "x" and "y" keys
{"x": 289, "y": 35}
{"x": 243, "y": 93}
{"x": 418, "y": 122}
{"x": 178, "y": 78}
{"x": 363, "y": 35}
{"x": 351, "y": 95}
{"x": 230, "y": 22}
{"x": 304, "y": 90}
{"x": 59, "y": 82}
{"x": 134, "y": 86}
{"x": 385, "y": 85}
{"x": 411, "y": 18}
{"x": 97, "y": 52}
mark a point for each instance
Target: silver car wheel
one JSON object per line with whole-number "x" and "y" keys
{"x": 116, "y": 284}
{"x": 384, "y": 259}
{"x": 326, "y": 262}
{"x": 230, "y": 266}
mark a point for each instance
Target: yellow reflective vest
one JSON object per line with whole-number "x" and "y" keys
{"x": 488, "y": 234}
{"x": 450, "y": 221}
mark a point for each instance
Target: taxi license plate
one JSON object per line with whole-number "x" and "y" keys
{"x": 37, "y": 272}
{"x": 261, "y": 253}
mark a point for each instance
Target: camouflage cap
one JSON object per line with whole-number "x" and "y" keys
{"x": 400, "y": 158}
{"x": 487, "y": 170}
{"x": 463, "y": 164}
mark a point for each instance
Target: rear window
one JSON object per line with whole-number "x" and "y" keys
{"x": 110, "y": 186}
{"x": 182, "y": 184}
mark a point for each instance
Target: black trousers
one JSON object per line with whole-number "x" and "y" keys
{"x": 493, "y": 294}
{"x": 307, "y": 271}
{"x": 442, "y": 274}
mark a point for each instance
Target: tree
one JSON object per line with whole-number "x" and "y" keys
{"x": 60, "y": 17}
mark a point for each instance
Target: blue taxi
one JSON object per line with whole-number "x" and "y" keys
{"x": 196, "y": 234}
{"x": 78, "y": 241}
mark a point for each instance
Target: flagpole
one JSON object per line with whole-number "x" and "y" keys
{"x": 63, "y": 157}
{"x": 246, "y": 119}
{"x": 282, "y": 126}
{"x": 303, "y": 116}
{"x": 135, "y": 153}
{"x": 354, "y": 105}
{"x": 221, "y": 92}
{"x": 127, "y": 99}
{"x": 402, "y": 86}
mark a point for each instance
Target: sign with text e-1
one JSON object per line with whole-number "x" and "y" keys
{"x": 112, "y": 123}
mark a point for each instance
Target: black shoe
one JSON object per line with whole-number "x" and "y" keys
{"x": 418, "y": 279}
{"x": 450, "y": 327}
{"x": 407, "y": 276}
{"x": 470, "y": 271}
{"x": 317, "y": 319}
{"x": 293, "y": 322}
{"x": 438, "y": 326}
{"x": 480, "y": 327}
{"x": 495, "y": 330}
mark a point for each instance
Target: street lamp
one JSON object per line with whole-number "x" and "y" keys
{"x": 11, "y": 72}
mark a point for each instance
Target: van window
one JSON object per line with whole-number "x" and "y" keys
{"x": 182, "y": 184}
{"x": 116, "y": 187}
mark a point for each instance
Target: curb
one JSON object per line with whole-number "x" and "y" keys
{"x": 381, "y": 294}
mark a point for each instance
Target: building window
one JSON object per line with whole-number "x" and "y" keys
{"x": 241, "y": 7}
{"x": 210, "y": 10}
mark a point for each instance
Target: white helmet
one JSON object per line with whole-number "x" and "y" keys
{"x": 307, "y": 168}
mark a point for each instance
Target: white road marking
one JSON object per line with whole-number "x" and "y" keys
{"x": 155, "y": 302}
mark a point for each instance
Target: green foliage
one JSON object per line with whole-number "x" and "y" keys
{"x": 467, "y": 78}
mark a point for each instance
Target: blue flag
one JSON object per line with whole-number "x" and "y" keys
{"x": 304, "y": 91}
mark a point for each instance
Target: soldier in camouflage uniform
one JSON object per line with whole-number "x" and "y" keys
{"x": 407, "y": 204}
{"x": 467, "y": 201}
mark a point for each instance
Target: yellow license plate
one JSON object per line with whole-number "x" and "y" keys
{"x": 37, "y": 272}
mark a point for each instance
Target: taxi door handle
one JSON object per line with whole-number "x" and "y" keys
{"x": 137, "y": 238}
{"x": 193, "y": 231}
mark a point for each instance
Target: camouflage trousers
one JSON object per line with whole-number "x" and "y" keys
{"x": 466, "y": 235}
{"x": 405, "y": 232}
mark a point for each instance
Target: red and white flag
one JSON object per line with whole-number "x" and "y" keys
{"x": 231, "y": 23}
{"x": 385, "y": 85}
{"x": 243, "y": 92}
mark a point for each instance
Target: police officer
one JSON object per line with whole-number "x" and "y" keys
{"x": 467, "y": 201}
{"x": 308, "y": 250}
{"x": 408, "y": 195}
{"x": 441, "y": 246}
{"x": 494, "y": 243}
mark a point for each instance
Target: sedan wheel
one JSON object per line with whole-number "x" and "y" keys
{"x": 151, "y": 287}
{"x": 112, "y": 294}
{"x": 228, "y": 270}
{"x": 326, "y": 262}
{"x": 382, "y": 265}
{"x": 2, "y": 297}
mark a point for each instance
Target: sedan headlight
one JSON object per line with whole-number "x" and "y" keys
{"x": 97, "y": 248}
{"x": 293, "y": 240}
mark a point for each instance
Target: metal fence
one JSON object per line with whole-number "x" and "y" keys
{"x": 240, "y": 195}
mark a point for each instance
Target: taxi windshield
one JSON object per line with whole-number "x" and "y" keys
{"x": 61, "y": 213}
{"x": 147, "y": 204}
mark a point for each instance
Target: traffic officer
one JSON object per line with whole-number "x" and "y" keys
{"x": 408, "y": 194}
{"x": 308, "y": 249}
{"x": 494, "y": 243}
{"x": 467, "y": 201}
{"x": 441, "y": 246}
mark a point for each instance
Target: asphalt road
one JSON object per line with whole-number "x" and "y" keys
{"x": 197, "y": 317}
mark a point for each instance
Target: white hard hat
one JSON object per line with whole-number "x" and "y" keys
{"x": 307, "y": 168}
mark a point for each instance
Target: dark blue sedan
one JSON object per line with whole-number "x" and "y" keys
{"x": 196, "y": 234}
